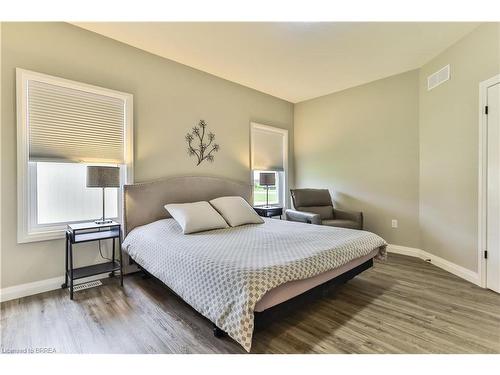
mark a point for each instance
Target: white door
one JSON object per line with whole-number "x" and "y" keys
{"x": 493, "y": 190}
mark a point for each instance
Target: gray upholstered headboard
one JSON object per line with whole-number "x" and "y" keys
{"x": 143, "y": 202}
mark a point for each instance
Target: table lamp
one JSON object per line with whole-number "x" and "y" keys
{"x": 267, "y": 179}
{"x": 103, "y": 177}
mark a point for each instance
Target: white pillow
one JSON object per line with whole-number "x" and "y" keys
{"x": 236, "y": 211}
{"x": 196, "y": 217}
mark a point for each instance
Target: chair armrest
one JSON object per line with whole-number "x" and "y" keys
{"x": 304, "y": 217}
{"x": 349, "y": 215}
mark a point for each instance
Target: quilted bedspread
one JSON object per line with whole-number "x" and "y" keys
{"x": 224, "y": 273}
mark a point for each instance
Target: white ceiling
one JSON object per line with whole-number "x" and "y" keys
{"x": 294, "y": 61}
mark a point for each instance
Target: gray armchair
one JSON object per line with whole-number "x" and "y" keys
{"x": 315, "y": 206}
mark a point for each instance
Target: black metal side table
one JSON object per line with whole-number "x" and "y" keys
{"x": 269, "y": 211}
{"x": 86, "y": 232}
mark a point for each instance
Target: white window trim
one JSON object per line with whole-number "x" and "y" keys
{"x": 25, "y": 206}
{"x": 284, "y": 190}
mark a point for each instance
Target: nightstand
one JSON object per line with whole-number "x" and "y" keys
{"x": 269, "y": 211}
{"x": 87, "y": 232}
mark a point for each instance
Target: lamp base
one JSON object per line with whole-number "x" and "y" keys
{"x": 103, "y": 221}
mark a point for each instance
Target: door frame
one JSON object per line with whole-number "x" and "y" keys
{"x": 482, "y": 181}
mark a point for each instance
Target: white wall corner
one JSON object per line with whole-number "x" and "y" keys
{"x": 446, "y": 265}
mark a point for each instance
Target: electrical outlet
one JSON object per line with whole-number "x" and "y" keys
{"x": 394, "y": 223}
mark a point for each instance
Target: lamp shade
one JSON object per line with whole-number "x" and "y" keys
{"x": 103, "y": 177}
{"x": 267, "y": 179}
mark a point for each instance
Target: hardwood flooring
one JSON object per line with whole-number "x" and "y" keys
{"x": 403, "y": 305}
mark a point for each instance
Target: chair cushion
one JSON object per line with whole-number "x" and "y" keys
{"x": 325, "y": 212}
{"x": 311, "y": 197}
{"x": 341, "y": 223}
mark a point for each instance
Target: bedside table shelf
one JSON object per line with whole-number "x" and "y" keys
{"x": 95, "y": 236}
{"x": 269, "y": 211}
{"x": 86, "y": 232}
{"x": 96, "y": 269}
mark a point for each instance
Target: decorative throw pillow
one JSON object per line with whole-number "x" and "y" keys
{"x": 196, "y": 217}
{"x": 236, "y": 211}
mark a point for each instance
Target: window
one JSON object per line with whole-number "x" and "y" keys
{"x": 269, "y": 146}
{"x": 260, "y": 193}
{"x": 62, "y": 197}
{"x": 63, "y": 127}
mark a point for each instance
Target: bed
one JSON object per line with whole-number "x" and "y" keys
{"x": 229, "y": 275}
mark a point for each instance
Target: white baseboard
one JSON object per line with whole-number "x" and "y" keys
{"x": 47, "y": 285}
{"x": 453, "y": 268}
{"x": 410, "y": 251}
{"x": 23, "y": 290}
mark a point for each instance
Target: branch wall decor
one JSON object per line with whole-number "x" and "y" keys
{"x": 204, "y": 150}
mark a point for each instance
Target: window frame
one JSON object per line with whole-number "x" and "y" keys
{"x": 27, "y": 231}
{"x": 282, "y": 175}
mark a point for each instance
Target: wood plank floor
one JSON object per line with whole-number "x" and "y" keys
{"x": 403, "y": 305}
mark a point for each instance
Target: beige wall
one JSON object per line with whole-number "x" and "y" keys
{"x": 449, "y": 146}
{"x": 388, "y": 148}
{"x": 362, "y": 143}
{"x": 169, "y": 98}
{"x": 395, "y": 150}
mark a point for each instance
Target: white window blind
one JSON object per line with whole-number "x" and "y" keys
{"x": 267, "y": 150}
{"x": 63, "y": 126}
{"x": 71, "y": 124}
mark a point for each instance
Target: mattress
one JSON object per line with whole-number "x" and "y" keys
{"x": 224, "y": 273}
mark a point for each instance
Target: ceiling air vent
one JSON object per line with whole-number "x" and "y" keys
{"x": 441, "y": 76}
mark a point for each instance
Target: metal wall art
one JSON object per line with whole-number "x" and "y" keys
{"x": 203, "y": 149}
